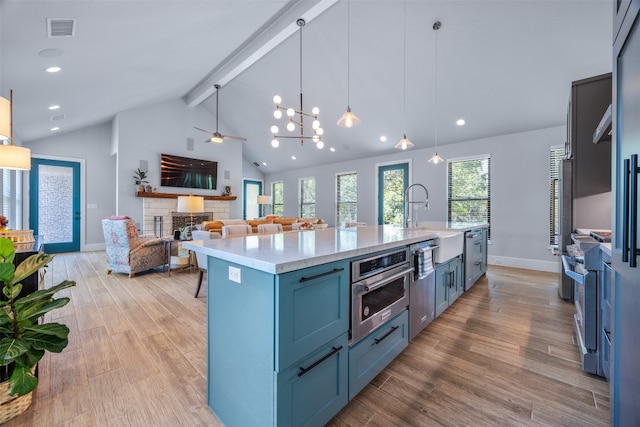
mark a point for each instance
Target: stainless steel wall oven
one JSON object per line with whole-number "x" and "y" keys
{"x": 379, "y": 291}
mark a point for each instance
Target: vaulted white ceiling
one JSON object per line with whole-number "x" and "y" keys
{"x": 504, "y": 66}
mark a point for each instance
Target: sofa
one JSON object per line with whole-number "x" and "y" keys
{"x": 286, "y": 222}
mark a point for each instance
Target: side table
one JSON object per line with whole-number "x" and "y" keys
{"x": 169, "y": 244}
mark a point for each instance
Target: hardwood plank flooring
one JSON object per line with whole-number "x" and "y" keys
{"x": 503, "y": 354}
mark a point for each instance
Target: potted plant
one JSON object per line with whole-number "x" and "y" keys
{"x": 23, "y": 340}
{"x": 140, "y": 178}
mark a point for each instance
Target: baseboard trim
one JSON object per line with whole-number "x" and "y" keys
{"x": 529, "y": 264}
{"x": 91, "y": 247}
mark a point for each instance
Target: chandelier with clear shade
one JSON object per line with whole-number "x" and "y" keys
{"x": 435, "y": 159}
{"x": 404, "y": 143}
{"x": 348, "y": 119}
{"x": 298, "y": 122}
{"x": 11, "y": 156}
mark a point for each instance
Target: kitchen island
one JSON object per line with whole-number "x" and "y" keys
{"x": 278, "y": 321}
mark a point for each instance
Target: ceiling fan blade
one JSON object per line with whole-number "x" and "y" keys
{"x": 208, "y": 140}
{"x": 239, "y": 138}
{"x": 205, "y": 131}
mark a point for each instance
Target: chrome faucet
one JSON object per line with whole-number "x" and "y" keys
{"x": 407, "y": 204}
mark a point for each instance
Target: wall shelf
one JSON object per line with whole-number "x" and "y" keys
{"x": 175, "y": 196}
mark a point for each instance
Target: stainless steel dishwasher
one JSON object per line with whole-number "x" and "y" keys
{"x": 422, "y": 288}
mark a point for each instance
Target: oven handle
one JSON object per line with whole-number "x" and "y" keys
{"x": 374, "y": 286}
{"x": 566, "y": 263}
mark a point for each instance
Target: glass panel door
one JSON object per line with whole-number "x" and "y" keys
{"x": 252, "y": 189}
{"x": 392, "y": 182}
{"x": 55, "y": 204}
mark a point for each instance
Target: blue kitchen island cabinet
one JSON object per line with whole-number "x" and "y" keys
{"x": 278, "y": 344}
{"x": 449, "y": 283}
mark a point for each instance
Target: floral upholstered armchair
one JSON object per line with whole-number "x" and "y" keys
{"x": 128, "y": 251}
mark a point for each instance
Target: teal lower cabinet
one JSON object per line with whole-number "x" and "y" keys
{"x": 449, "y": 283}
{"x": 311, "y": 391}
{"x": 373, "y": 353}
{"x": 312, "y": 306}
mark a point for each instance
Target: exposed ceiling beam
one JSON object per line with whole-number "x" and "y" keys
{"x": 267, "y": 38}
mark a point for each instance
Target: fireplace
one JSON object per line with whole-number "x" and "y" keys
{"x": 163, "y": 210}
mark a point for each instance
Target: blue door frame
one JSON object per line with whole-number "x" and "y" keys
{"x": 404, "y": 167}
{"x": 247, "y": 182}
{"x": 74, "y": 210}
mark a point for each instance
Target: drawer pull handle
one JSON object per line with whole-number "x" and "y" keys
{"x": 379, "y": 340}
{"x": 326, "y": 273}
{"x": 303, "y": 371}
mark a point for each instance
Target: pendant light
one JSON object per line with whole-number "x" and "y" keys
{"x": 435, "y": 159}
{"x": 11, "y": 156}
{"x": 348, "y": 119}
{"x": 404, "y": 143}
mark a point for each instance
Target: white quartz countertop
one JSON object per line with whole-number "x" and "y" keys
{"x": 295, "y": 250}
{"x": 451, "y": 225}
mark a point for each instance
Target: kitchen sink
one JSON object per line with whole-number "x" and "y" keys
{"x": 451, "y": 245}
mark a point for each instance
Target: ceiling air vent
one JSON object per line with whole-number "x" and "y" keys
{"x": 256, "y": 164}
{"x": 61, "y": 27}
{"x": 57, "y": 117}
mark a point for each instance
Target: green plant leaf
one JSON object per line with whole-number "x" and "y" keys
{"x": 6, "y": 271}
{"x": 7, "y": 251}
{"x": 56, "y": 329}
{"x": 50, "y": 343}
{"x": 30, "y": 266}
{"x": 38, "y": 310}
{"x": 11, "y": 348}
{"x": 22, "y": 381}
{"x": 12, "y": 292}
{"x": 43, "y": 294}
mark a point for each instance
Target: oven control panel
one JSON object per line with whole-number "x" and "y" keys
{"x": 376, "y": 264}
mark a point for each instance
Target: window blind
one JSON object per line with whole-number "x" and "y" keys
{"x": 346, "y": 198}
{"x": 469, "y": 190}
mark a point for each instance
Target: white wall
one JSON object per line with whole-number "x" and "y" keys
{"x": 519, "y": 191}
{"x": 91, "y": 144}
{"x": 144, "y": 133}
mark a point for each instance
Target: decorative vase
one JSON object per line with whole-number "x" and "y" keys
{"x": 139, "y": 188}
{"x": 12, "y": 406}
{"x": 148, "y": 189}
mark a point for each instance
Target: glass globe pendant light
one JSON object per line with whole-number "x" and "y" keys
{"x": 348, "y": 119}
{"x": 404, "y": 143}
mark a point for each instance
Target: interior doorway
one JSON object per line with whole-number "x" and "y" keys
{"x": 250, "y": 207}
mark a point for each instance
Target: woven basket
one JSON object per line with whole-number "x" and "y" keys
{"x": 12, "y": 406}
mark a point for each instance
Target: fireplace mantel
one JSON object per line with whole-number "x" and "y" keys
{"x": 175, "y": 196}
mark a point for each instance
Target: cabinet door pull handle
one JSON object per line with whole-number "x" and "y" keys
{"x": 625, "y": 214}
{"x": 633, "y": 213}
{"x": 379, "y": 340}
{"x": 303, "y": 370}
{"x": 317, "y": 276}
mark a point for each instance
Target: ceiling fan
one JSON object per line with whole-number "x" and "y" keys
{"x": 217, "y": 136}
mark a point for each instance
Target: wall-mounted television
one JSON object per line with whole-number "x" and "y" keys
{"x": 177, "y": 171}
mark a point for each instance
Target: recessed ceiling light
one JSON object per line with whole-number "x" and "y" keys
{"x": 293, "y": 157}
{"x": 264, "y": 163}
{"x": 53, "y": 129}
{"x": 332, "y": 149}
{"x": 460, "y": 122}
{"x": 52, "y": 69}
{"x": 383, "y": 138}
{"x": 54, "y": 107}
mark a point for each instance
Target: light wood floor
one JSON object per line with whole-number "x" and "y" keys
{"x": 503, "y": 354}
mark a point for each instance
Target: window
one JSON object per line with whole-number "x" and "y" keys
{"x": 277, "y": 198}
{"x": 308, "y": 197}
{"x": 346, "y": 198}
{"x": 12, "y": 197}
{"x": 469, "y": 190}
{"x": 556, "y": 155}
